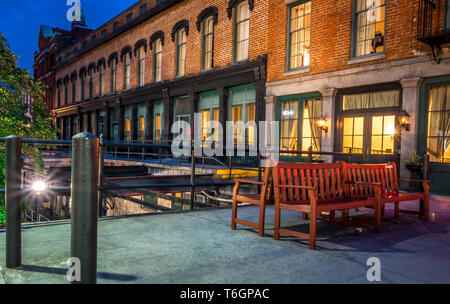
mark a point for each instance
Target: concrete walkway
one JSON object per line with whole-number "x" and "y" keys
{"x": 199, "y": 247}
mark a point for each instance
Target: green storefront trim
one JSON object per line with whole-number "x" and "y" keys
{"x": 300, "y": 98}
{"x": 439, "y": 172}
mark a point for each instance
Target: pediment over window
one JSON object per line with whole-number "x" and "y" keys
{"x": 179, "y": 25}
{"x": 232, "y": 4}
{"x": 209, "y": 11}
{"x": 157, "y": 35}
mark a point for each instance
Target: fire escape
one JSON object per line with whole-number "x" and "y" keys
{"x": 432, "y": 28}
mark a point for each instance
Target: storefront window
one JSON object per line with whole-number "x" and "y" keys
{"x": 371, "y": 100}
{"x": 438, "y": 141}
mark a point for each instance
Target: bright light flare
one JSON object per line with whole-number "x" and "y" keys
{"x": 39, "y": 186}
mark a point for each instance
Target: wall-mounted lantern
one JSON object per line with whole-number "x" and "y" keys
{"x": 322, "y": 123}
{"x": 403, "y": 119}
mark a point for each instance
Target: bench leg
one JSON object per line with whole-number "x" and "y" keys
{"x": 344, "y": 222}
{"x": 332, "y": 217}
{"x": 312, "y": 229}
{"x": 426, "y": 205}
{"x": 262, "y": 217}
{"x": 383, "y": 210}
{"x": 397, "y": 210}
{"x": 276, "y": 233}
{"x": 234, "y": 215}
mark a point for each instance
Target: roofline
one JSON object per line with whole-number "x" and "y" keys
{"x": 123, "y": 29}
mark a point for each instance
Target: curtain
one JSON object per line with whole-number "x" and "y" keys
{"x": 439, "y": 121}
{"x": 314, "y": 112}
{"x": 372, "y": 100}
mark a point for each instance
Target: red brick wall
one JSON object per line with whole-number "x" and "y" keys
{"x": 189, "y": 9}
{"x": 331, "y": 35}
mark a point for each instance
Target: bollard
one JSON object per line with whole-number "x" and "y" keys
{"x": 192, "y": 178}
{"x": 13, "y": 202}
{"x": 85, "y": 205}
{"x": 101, "y": 167}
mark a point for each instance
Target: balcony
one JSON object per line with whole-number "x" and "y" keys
{"x": 199, "y": 247}
{"x": 432, "y": 28}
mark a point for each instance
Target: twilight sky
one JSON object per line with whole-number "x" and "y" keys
{"x": 20, "y": 21}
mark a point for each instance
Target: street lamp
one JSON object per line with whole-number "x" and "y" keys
{"x": 322, "y": 123}
{"x": 39, "y": 186}
{"x": 403, "y": 118}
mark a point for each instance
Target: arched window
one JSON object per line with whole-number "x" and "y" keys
{"x": 208, "y": 43}
{"x": 82, "y": 84}
{"x": 141, "y": 66}
{"x": 113, "y": 75}
{"x": 126, "y": 71}
{"x": 91, "y": 82}
{"x": 242, "y": 22}
{"x": 181, "y": 52}
{"x": 101, "y": 80}
{"x": 157, "y": 59}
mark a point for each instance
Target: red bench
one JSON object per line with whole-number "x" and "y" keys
{"x": 316, "y": 188}
{"x": 386, "y": 176}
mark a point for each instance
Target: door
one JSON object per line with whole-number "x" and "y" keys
{"x": 367, "y": 125}
{"x": 370, "y": 138}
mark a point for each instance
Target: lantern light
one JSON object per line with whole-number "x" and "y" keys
{"x": 39, "y": 186}
{"x": 322, "y": 123}
{"x": 403, "y": 119}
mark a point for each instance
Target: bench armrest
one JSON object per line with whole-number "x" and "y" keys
{"x": 413, "y": 180}
{"x": 248, "y": 181}
{"x": 364, "y": 183}
{"x": 296, "y": 187}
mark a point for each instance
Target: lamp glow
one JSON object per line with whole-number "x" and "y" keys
{"x": 322, "y": 124}
{"x": 39, "y": 186}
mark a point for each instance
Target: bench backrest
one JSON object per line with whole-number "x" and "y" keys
{"x": 383, "y": 174}
{"x": 266, "y": 189}
{"x": 326, "y": 178}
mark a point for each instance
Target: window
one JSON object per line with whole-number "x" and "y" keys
{"x": 208, "y": 116}
{"x": 101, "y": 80}
{"x": 158, "y": 121}
{"x": 242, "y": 102}
{"x": 113, "y": 75}
{"x": 93, "y": 39}
{"x": 84, "y": 45}
{"x": 298, "y": 123}
{"x": 242, "y": 22}
{"x": 128, "y": 129}
{"x": 126, "y": 74}
{"x": 208, "y": 43}
{"x": 59, "y": 95}
{"x": 353, "y": 135}
{"x": 74, "y": 88}
{"x": 141, "y": 66}
{"x": 181, "y": 52}
{"x": 369, "y": 27}
{"x": 142, "y": 128}
{"x": 82, "y": 84}
{"x": 116, "y": 25}
{"x": 103, "y": 33}
{"x": 299, "y": 39}
{"x": 438, "y": 139}
{"x": 143, "y": 9}
{"x": 129, "y": 18}
{"x": 383, "y": 132}
{"x": 157, "y": 59}
{"x": 91, "y": 83}
{"x": 371, "y": 100}
{"x": 66, "y": 94}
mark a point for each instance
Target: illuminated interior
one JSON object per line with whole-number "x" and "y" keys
{"x": 353, "y": 135}
{"x": 383, "y": 133}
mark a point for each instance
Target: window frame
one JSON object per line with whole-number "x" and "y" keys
{"x": 74, "y": 91}
{"x": 113, "y": 80}
{"x": 58, "y": 97}
{"x": 127, "y": 71}
{"x": 288, "y": 36}
{"x": 91, "y": 83}
{"x": 157, "y": 68}
{"x": 235, "y": 25}
{"x": 141, "y": 67}
{"x": 101, "y": 80}
{"x": 178, "y": 46}
{"x": 82, "y": 86}
{"x": 354, "y": 42}
{"x": 300, "y": 98}
{"x": 204, "y": 36}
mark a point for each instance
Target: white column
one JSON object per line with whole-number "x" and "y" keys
{"x": 270, "y": 111}
{"x": 410, "y": 98}
{"x": 328, "y": 99}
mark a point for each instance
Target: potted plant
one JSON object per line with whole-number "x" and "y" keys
{"x": 414, "y": 163}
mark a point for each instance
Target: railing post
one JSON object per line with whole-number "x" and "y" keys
{"x": 192, "y": 178}
{"x": 310, "y": 156}
{"x": 13, "y": 202}
{"x": 101, "y": 168}
{"x": 85, "y": 205}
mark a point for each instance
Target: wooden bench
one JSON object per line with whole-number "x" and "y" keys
{"x": 386, "y": 176}
{"x": 313, "y": 189}
{"x": 260, "y": 199}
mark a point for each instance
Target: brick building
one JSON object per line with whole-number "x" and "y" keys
{"x": 355, "y": 65}
{"x": 158, "y": 62}
{"x": 351, "y": 65}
